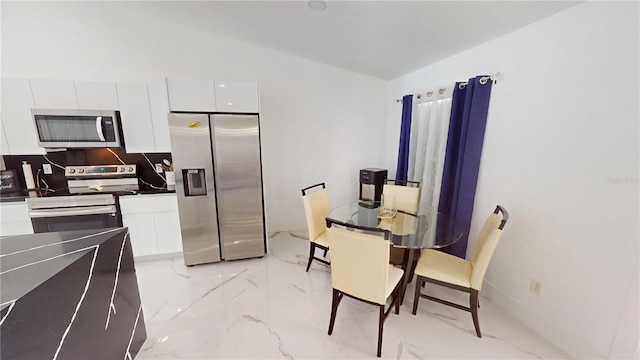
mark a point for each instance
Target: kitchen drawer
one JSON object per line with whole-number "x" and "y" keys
{"x": 144, "y": 204}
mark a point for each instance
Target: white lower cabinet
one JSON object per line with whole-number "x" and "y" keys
{"x": 168, "y": 232}
{"x": 153, "y": 222}
{"x": 14, "y": 218}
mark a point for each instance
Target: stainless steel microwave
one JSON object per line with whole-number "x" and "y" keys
{"x": 77, "y": 128}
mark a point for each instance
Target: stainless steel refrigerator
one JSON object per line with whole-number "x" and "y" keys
{"x": 218, "y": 171}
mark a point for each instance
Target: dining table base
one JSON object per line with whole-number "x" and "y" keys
{"x": 408, "y": 266}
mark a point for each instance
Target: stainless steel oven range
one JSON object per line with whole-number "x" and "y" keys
{"x": 88, "y": 203}
{"x": 73, "y": 212}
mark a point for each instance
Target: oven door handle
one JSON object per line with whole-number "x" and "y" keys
{"x": 93, "y": 210}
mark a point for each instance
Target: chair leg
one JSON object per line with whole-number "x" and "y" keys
{"x": 474, "y": 310}
{"x": 380, "y": 328}
{"x": 416, "y": 296}
{"x": 312, "y": 250}
{"x": 397, "y": 296}
{"x": 334, "y": 309}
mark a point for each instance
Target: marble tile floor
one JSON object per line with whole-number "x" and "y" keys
{"x": 270, "y": 308}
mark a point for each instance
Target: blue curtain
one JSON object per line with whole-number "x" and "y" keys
{"x": 469, "y": 108}
{"x": 405, "y": 136}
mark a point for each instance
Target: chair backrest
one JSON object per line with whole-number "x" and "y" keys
{"x": 359, "y": 261}
{"x": 485, "y": 245}
{"x": 316, "y": 208}
{"x": 406, "y": 197}
{"x": 402, "y": 182}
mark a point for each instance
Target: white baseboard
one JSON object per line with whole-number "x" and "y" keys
{"x": 154, "y": 257}
{"x": 566, "y": 341}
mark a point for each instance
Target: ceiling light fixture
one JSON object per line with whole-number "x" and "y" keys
{"x": 318, "y": 5}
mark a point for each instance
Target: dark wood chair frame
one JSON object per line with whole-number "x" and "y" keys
{"x": 312, "y": 244}
{"x": 337, "y": 294}
{"x": 473, "y": 293}
{"x": 402, "y": 182}
{"x": 405, "y": 253}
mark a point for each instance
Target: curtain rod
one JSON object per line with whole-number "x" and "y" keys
{"x": 483, "y": 80}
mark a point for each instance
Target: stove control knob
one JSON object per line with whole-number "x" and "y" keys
{"x": 130, "y": 169}
{"x": 121, "y": 169}
{"x": 71, "y": 171}
{"x": 80, "y": 171}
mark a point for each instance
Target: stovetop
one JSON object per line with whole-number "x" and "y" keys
{"x": 95, "y": 179}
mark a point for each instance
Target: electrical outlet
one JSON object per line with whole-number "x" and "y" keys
{"x": 46, "y": 168}
{"x": 535, "y": 287}
{"x": 158, "y": 168}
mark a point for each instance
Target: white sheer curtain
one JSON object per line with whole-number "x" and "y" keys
{"x": 427, "y": 145}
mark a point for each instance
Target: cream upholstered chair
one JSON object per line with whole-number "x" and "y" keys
{"x": 360, "y": 269}
{"x": 406, "y": 195}
{"x": 453, "y": 272}
{"x": 406, "y": 199}
{"x": 317, "y": 208}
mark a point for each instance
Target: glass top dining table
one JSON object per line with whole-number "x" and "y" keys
{"x": 429, "y": 230}
{"x": 413, "y": 232}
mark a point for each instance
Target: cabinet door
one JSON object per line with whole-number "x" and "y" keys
{"x": 137, "y": 215}
{"x": 54, "y": 94}
{"x": 153, "y": 223}
{"x": 168, "y": 232}
{"x": 191, "y": 94}
{"x": 4, "y": 145}
{"x": 237, "y": 97}
{"x": 93, "y": 95}
{"x": 159, "y": 103}
{"x": 15, "y": 219}
{"x": 142, "y": 233}
{"x": 19, "y": 129}
{"x": 136, "y": 117}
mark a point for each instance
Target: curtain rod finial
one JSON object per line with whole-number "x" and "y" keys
{"x": 496, "y": 76}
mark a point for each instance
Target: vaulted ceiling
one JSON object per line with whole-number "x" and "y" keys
{"x": 384, "y": 39}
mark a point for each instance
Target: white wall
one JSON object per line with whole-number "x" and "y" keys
{"x": 561, "y": 147}
{"x": 561, "y": 154}
{"x": 318, "y": 122}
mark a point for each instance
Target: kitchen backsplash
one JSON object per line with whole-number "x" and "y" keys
{"x": 57, "y": 180}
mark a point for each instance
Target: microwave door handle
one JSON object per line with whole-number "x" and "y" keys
{"x": 99, "y": 128}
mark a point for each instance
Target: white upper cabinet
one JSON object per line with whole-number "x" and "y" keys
{"x": 54, "y": 94}
{"x": 237, "y": 97}
{"x": 159, "y": 103}
{"x": 4, "y": 145}
{"x": 17, "y": 123}
{"x": 191, "y": 94}
{"x": 136, "y": 117}
{"x": 143, "y": 107}
{"x": 94, "y": 95}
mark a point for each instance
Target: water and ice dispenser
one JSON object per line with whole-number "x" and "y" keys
{"x": 194, "y": 182}
{"x": 371, "y": 183}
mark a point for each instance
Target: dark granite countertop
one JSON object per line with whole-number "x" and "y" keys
{"x": 149, "y": 192}
{"x": 17, "y": 196}
{"x": 29, "y": 260}
{"x": 22, "y": 195}
{"x": 70, "y": 295}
